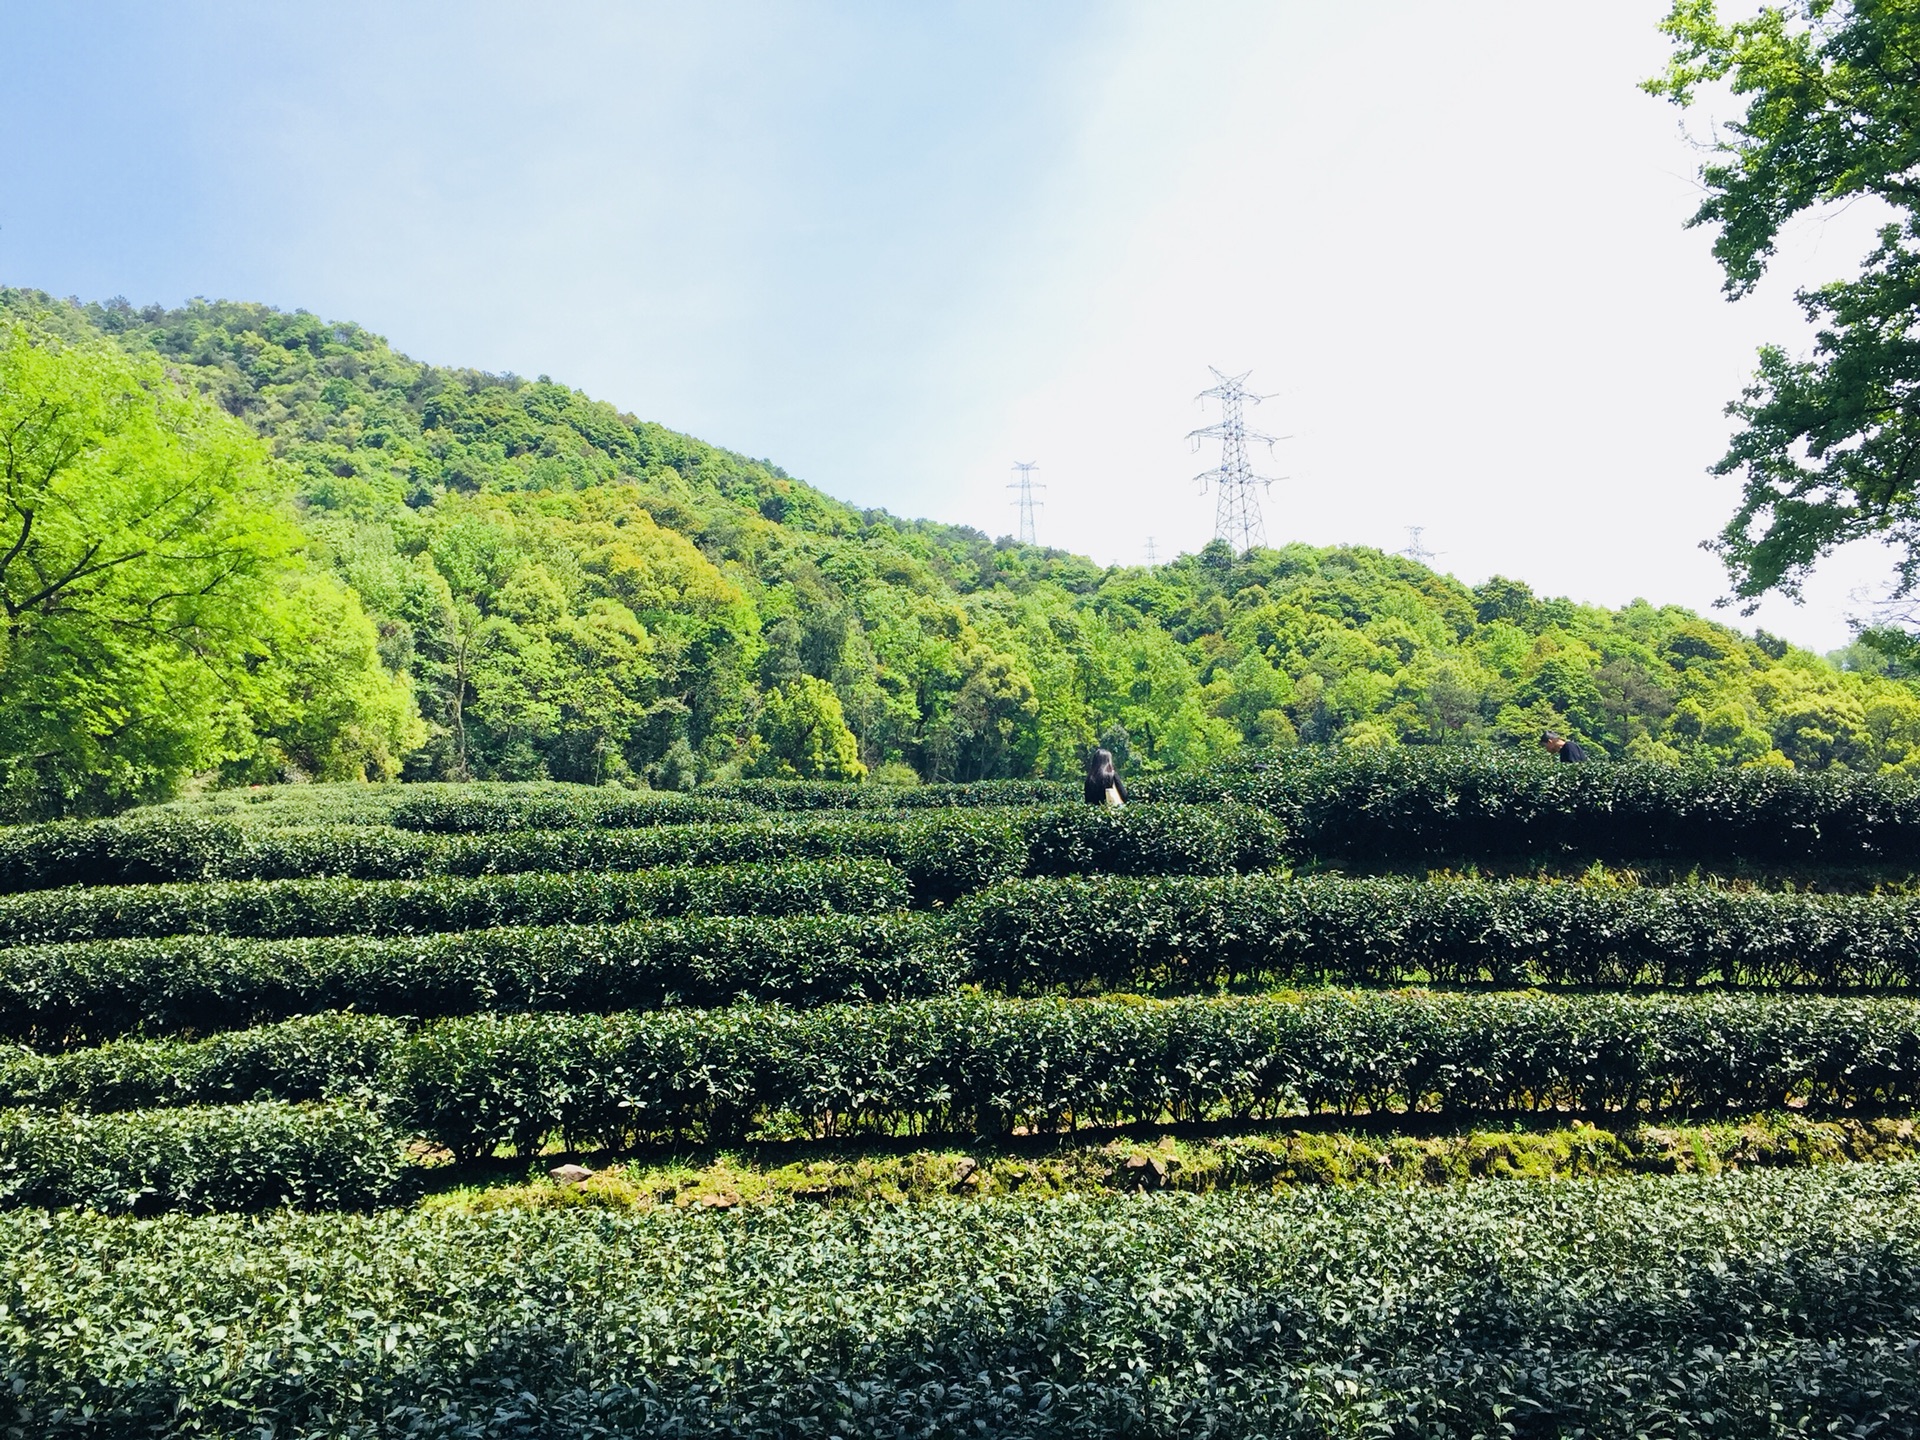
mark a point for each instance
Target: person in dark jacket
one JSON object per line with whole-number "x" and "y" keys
{"x": 1562, "y": 749}
{"x": 1103, "y": 781}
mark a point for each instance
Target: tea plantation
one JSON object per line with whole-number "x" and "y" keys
{"x": 1389, "y": 1095}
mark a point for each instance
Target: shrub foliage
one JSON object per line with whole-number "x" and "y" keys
{"x": 1419, "y": 806}
{"x": 256, "y": 1156}
{"x": 75, "y": 994}
{"x": 975, "y": 1065}
{"x": 1763, "y": 1303}
{"x": 314, "y": 1057}
{"x": 1118, "y": 933}
{"x": 275, "y": 908}
{"x": 944, "y": 853}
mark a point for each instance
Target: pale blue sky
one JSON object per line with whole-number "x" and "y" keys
{"x": 896, "y": 247}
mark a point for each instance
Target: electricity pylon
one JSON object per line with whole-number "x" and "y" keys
{"x": 1416, "y": 551}
{"x": 1236, "y": 515}
{"x": 1025, "y": 501}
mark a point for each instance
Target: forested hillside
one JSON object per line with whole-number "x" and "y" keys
{"x": 570, "y": 592}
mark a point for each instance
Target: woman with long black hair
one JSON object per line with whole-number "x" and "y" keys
{"x": 1103, "y": 781}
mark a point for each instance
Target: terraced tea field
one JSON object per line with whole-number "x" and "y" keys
{"x": 1384, "y": 1096}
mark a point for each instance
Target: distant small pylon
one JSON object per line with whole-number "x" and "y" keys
{"x": 1153, "y": 557}
{"x": 1416, "y": 551}
{"x": 1024, "y": 500}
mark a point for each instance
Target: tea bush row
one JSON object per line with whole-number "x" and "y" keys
{"x": 1116, "y": 933}
{"x": 942, "y": 854}
{"x": 1019, "y": 937}
{"x": 354, "y": 803}
{"x": 64, "y": 995}
{"x": 1373, "y": 807}
{"x": 268, "y": 909}
{"x": 141, "y": 850}
{"x": 1760, "y": 1304}
{"x": 256, "y": 1156}
{"x": 976, "y": 1065}
{"x": 1422, "y": 805}
{"x": 449, "y": 811}
{"x": 832, "y": 795}
{"x": 1418, "y": 805}
{"x": 313, "y": 1057}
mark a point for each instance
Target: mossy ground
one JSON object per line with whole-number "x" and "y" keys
{"x": 830, "y": 1173}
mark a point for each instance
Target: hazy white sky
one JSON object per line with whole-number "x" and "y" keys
{"x": 897, "y": 247}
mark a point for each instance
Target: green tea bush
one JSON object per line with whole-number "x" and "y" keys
{"x": 313, "y": 1057}
{"x": 268, "y": 909}
{"x": 230, "y": 1157}
{"x": 264, "y": 807}
{"x": 355, "y": 803}
{"x": 77, "y": 994}
{"x": 1762, "y": 1304}
{"x": 452, "y": 812}
{"x": 836, "y": 795}
{"x": 972, "y": 1064}
{"x": 1417, "y": 806}
{"x": 1151, "y": 840}
{"x": 123, "y": 852}
{"x": 139, "y": 850}
{"x": 944, "y": 854}
{"x": 1118, "y": 933}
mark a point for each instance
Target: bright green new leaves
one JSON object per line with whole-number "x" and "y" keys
{"x": 324, "y": 705}
{"x": 806, "y": 736}
{"x": 1830, "y": 449}
{"x": 139, "y": 541}
{"x": 157, "y": 618}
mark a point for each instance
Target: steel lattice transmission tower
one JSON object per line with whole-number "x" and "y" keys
{"x": 1236, "y": 515}
{"x": 1153, "y": 556}
{"x": 1026, "y": 485}
{"x": 1416, "y": 550}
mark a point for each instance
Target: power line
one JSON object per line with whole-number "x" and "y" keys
{"x": 1026, "y": 485}
{"x": 1236, "y": 516}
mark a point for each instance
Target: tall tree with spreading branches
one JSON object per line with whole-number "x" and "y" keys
{"x": 1829, "y": 445}
{"x": 156, "y": 619}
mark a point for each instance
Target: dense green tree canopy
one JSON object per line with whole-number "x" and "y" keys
{"x": 1829, "y": 447}
{"x": 157, "y": 619}
{"x": 576, "y": 594}
{"x": 805, "y": 736}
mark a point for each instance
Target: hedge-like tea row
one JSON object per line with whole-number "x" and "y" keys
{"x": 984, "y": 1066}
{"x": 227, "y": 1157}
{"x": 1418, "y": 806}
{"x": 1108, "y": 934}
{"x": 65, "y": 995}
{"x": 831, "y": 795}
{"x": 943, "y": 854}
{"x": 1151, "y": 840}
{"x": 1126, "y": 934}
{"x": 268, "y": 909}
{"x": 351, "y": 803}
{"x": 313, "y": 1057}
{"x": 141, "y": 849}
{"x": 1755, "y": 1305}
{"x": 449, "y": 812}
{"x": 956, "y": 852}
